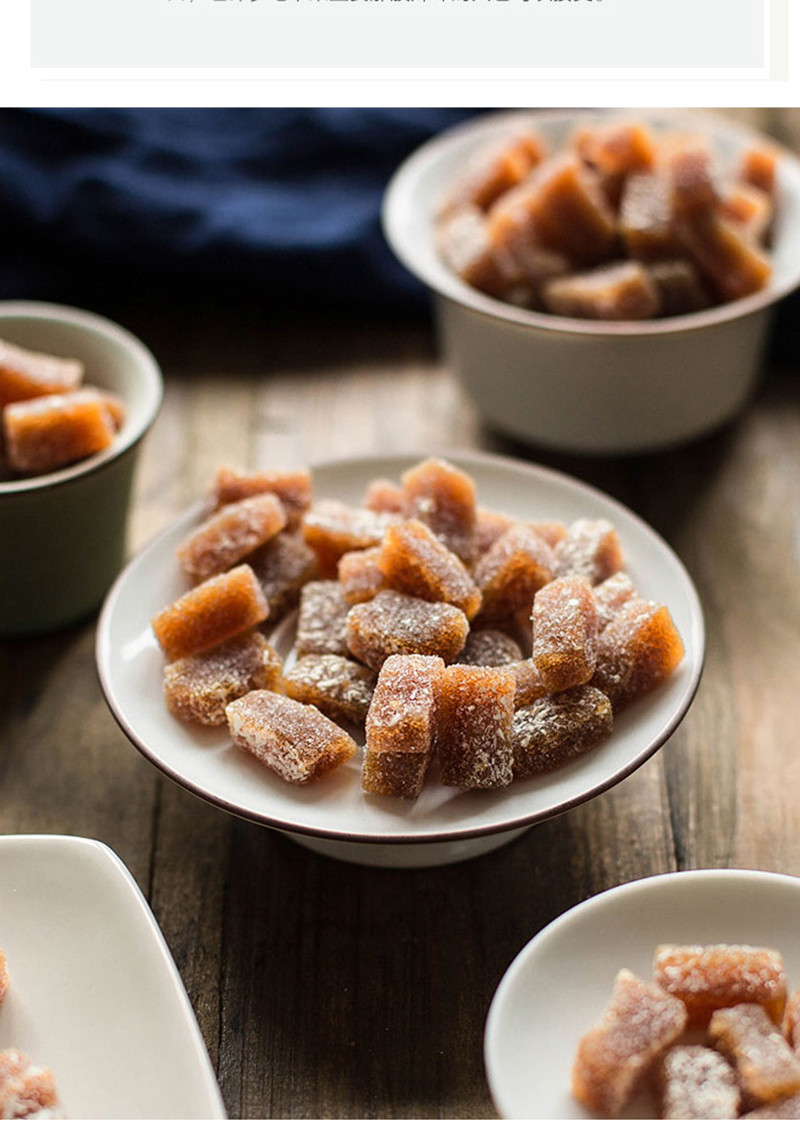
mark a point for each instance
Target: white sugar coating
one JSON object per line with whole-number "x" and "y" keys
{"x": 26, "y": 1089}
{"x": 639, "y": 1024}
{"x": 558, "y": 727}
{"x": 282, "y": 566}
{"x": 402, "y": 715}
{"x": 230, "y": 534}
{"x": 610, "y": 595}
{"x": 474, "y": 734}
{"x": 509, "y": 574}
{"x": 489, "y": 647}
{"x": 293, "y": 488}
{"x": 361, "y": 527}
{"x": 322, "y": 619}
{"x": 591, "y": 549}
{"x": 338, "y": 686}
{"x": 729, "y": 972}
{"x": 767, "y": 1067}
{"x": 697, "y": 1082}
{"x": 415, "y": 561}
{"x": 198, "y": 687}
{"x": 293, "y": 739}
{"x": 393, "y": 623}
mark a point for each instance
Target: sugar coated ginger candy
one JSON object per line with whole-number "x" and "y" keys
{"x": 709, "y": 977}
{"x": 294, "y": 740}
{"x": 474, "y": 731}
{"x": 565, "y": 633}
{"x": 210, "y": 613}
{"x": 645, "y": 217}
{"x": 766, "y": 1066}
{"x": 489, "y": 526}
{"x": 401, "y": 725}
{"x": 637, "y": 650}
{"x": 293, "y": 488}
{"x": 385, "y": 497}
{"x": 759, "y": 167}
{"x": 339, "y": 687}
{"x": 322, "y": 619}
{"x": 491, "y": 173}
{"x": 487, "y": 646}
{"x": 25, "y": 374}
{"x": 466, "y": 246}
{"x": 557, "y": 728}
{"x": 282, "y": 566}
{"x": 681, "y": 289}
{"x": 360, "y": 575}
{"x": 443, "y": 497}
{"x": 197, "y": 688}
{"x": 590, "y": 548}
{"x": 697, "y": 1082}
{"x": 527, "y": 682}
{"x": 47, "y": 433}
{"x": 511, "y": 572}
{"x": 332, "y": 528}
{"x": 622, "y": 290}
{"x": 640, "y": 1023}
{"x": 413, "y": 560}
{"x": 611, "y": 595}
{"x": 394, "y": 623}
{"x": 235, "y": 530}
{"x": 26, "y": 1089}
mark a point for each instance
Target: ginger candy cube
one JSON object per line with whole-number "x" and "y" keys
{"x": 401, "y": 725}
{"x": 360, "y": 575}
{"x": 394, "y": 623}
{"x": 766, "y": 1066}
{"x": 474, "y": 733}
{"x": 710, "y": 977}
{"x": 487, "y": 646}
{"x": 46, "y": 433}
{"x": 637, "y": 650}
{"x": 283, "y": 565}
{"x": 443, "y": 497}
{"x": 697, "y": 1082}
{"x": 510, "y": 573}
{"x": 294, "y": 740}
{"x": 25, "y": 374}
{"x": 322, "y": 619}
{"x": 210, "y": 613}
{"x": 332, "y": 528}
{"x": 198, "y": 687}
{"x": 559, "y": 727}
{"x": 591, "y": 548}
{"x": 565, "y": 633}
{"x": 227, "y": 537}
{"x": 339, "y": 687}
{"x": 293, "y": 488}
{"x": 640, "y": 1023}
{"x": 491, "y": 173}
{"x": 623, "y": 290}
{"x": 413, "y": 560}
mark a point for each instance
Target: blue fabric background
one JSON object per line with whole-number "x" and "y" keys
{"x": 253, "y": 201}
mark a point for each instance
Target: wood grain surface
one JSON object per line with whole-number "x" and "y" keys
{"x": 325, "y": 989}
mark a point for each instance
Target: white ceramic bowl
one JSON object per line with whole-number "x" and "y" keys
{"x": 63, "y": 533}
{"x": 577, "y": 385}
{"x": 333, "y": 816}
{"x": 558, "y": 986}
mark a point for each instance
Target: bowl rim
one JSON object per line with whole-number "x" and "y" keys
{"x": 397, "y": 209}
{"x": 129, "y": 435}
{"x": 462, "y": 458}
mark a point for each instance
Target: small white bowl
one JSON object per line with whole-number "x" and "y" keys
{"x": 63, "y": 533}
{"x": 334, "y": 816}
{"x": 557, "y": 987}
{"x": 578, "y": 385}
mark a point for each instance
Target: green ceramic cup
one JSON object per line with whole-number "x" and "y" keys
{"x": 63, "y": 534}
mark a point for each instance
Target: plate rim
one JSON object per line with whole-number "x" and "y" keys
{"x": 92, "y": 852}
{"x": 641, "y": 886}
{"x": 460, "y": 458}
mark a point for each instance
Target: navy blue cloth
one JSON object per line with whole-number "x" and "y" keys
{"x": 254, "y": 202}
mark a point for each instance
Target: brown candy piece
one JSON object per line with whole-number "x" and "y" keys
{"x": 617, "y": 148}
{"x": 766, "y": 1066}
{"x": 697, "y": 1082}
{"x": 636, "y": 651}
{"x": 332, "y": 528}
{"x": 680, "y": 287}
{"x": 591, "y": 548}
{"x": 491, "y": 173}
{"x": 393, "y": 623}
{"x": 443, "y": 497}
{"x": 401, "y": 725}
{"x": 489, "y": 647}
{"x": 235, "y": 530}
{"x": 46, "y": 433}
{"x": 25, "y": 374}
{"x": 474, "y": 734}
{"x": 791, "y": 1020}
{"x": 640, "y": 1023}
{"x": 26, "y": 1089}
{"x": 759, "y": 167}
{"x": 385, "y": 497}
{"x": 339, "y": 687}
{"x": 282, "y": 566}
{"x": 210, "y": 613}
{"x": 466, "y": 247}
{"x": 360, "y": 575}
{"x": 322, "y": 619}
{"x": 489, "y": 526}
{"x": 748, "y": 207}
{"x": 565, "y": 633}
{"x": 511, "y": 572}
{"x": 623, "y": 290}
{"x": 611, "y": 595}
{"x": 413, "y": 560}
{"x": 527, "y": 682}
{"x": 645, "y": 217}
{"x": 295, "y": 740}
{"x": 293, "y": 488}
{"x": 556, "y": 729}
{"x": 710, "y": 977}
{"x": 197, "y": 688}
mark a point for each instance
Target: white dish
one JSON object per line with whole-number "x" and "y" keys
{"x": 94, "y": 994}
{"x": 560, "y": 983}
{"x": 443, "y": 824}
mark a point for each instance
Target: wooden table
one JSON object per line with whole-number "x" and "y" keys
{"x": 325, "y": 989}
